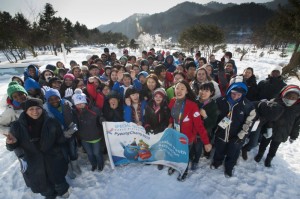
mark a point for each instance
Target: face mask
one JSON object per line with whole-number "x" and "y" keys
{"x": 288, "y": 102}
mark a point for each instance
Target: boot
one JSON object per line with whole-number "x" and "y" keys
{"x": 194, "y": 166}
{"x": 94, "y": 168}
{"x": 244, "y": 153}
{"x": 160, "y": 167}
{"x": 70, "y": 172}
{"x": 183, "y": 176}
{"x": 228, "y": 173}
{"x": 268, "y": 161}
{"x": 76, "y": 167}
{"x": 171, "y": 171}
{"x": 258, "y": 157}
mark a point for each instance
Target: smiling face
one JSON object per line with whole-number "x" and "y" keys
{"x": 204, "y": 94}
{"x": 158, "y": 99}
{"x": 34, "y": 112}
{"x": 135, "y": 98}
{"x": 47, "y": 75}
{"x": 247, "y": 74}
{"x": 19, "y": 96}
{"x": 56, "y": 85}
{"x": 126, "y": 81}
{"x": 151, "y": 84}
{"x": 201, "y": 76}
{"x": 180, "y": 91}
{"x": 76, "y": 72}
{"x": 54, "y": 101}
{"x": 31, "y": 71}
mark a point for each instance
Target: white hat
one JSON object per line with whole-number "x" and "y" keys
{"x": 79, "y": 97}
{"x": 279, "y": 68}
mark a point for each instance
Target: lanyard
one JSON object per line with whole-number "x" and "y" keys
{"x": 181, "y": 112}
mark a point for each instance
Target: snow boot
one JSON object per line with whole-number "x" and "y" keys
{"x": 182, "y": 177}
{"x": 258, "y": 157}
{"x": 214, "y": 165}
{"x": 160, "y": 167}
{"x": 268, "y": 161}
{"x": 65, "y": 195}
{"x": 228, "y": 173}
{"x": 171, "y": 171}
{"x": 206, "y": 154}
{"x": 76, "y": 167}
{"x": 70, "y": 172}
{"x": 194, "y": 166}
{"x": 94, "y": 168}
{"x": 244, "y": 153}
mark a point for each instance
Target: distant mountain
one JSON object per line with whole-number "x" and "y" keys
{"x": 238, "y": 21}
{"x": 129, "y": 26}
{"x": 218, "y": 6}
{"x": 273, "y": 5}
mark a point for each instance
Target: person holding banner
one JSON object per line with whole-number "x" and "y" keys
{"x": 186, "y": 118}
{"x": 134, "y": 109}
{"x": 157, "y": 114}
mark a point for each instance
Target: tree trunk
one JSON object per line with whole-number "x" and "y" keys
{"x": 294, "y": 63}
{"x": 12, "y": 53}
{"x": 31, "y": 49}
{"x": 5, "y": 52}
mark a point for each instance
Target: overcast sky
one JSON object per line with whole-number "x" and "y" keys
{"x": 93, "y": 13}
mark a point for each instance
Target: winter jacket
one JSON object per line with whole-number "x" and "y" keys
{"x": 128, "y": 112}
{"x": 120, "y": 88}
{"x": 10, "y": 114}
{"x": 156, "y": 122}
{"x": 46, "y": 162}
{"x": 241, "y": 115}
{"x": 270, "y": 88}
{"x": 170, "y": 67}
{"x": 191, "y": 123}
{"x": 98, "y": 97}
{"x": 211, "y": 110}
{"x": 252, "y": 93}
{"x": 89, "y": 123}
{"x": 168, "y": 80}
{"x": 288, "y": 123}
{"x": 36, "y": 76}
{"x": 113, "y": 115}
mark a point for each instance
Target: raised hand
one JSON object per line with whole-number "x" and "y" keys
{"x": 10, "y": 139}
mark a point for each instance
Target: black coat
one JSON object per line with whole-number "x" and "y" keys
{"x": 270, "y": 88}
{"x": 89, "y": 121}
{"x": 242, "y": 116}
{"x": 45, "y": 159}
{"x": 113, "y": 115}
{"x": 252, "y": 93}
{"x": 287, "y": 124}
{"x": 156, "y": 122}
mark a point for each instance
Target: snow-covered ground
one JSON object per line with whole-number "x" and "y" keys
{"x": 250, "y": 180}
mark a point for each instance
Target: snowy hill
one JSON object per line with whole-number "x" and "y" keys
{"x": 250, "y": 180}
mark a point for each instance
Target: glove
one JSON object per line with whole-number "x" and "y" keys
{"x": 269, "y": 133}
{"x": 237, "y": 140}
{"x": 71, "y": 130}
{"x": 291, "y": 140}
{"x": 23, "y": 165}
{"x": 68, "y": 92}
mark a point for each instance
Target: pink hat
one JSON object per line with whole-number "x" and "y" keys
{"x": 70, "y": 76}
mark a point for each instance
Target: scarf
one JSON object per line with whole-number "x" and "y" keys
{"x": 136, "y": 114}
{"x": 57, "y": 114}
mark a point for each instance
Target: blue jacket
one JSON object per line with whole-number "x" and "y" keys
{"x": 128, "y": 112}
{"x": 120, "y": 88}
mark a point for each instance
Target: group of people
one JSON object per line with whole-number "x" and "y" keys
{"x": 52, "y": 113}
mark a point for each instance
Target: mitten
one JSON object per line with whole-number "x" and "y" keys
{"x": 68, "y": 92}
{"x": 269, "y": 133}
{"x": 23, "y": 165}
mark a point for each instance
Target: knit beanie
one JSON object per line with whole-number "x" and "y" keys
{"x": 51, "y": 67}
{"x": 15, "y": 87}
{"x": 279, "y": 68}
{"x": 31, "y": 102}
{"x": 142, "y": 73}
{"x": 31, "y": 84}
{"x": 70, "y": 76}
{"x": 160, "y": 91}
{"x": 290, "y": 88}
{"x": 79, "y": 97}
{"x": 52, "y": 92}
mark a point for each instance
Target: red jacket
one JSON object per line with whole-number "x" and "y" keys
{"x": 191, "y": 123}
{"x": 96, "y": 96}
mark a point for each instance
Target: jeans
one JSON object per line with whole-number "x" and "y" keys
{"x": 94, "y": 153}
